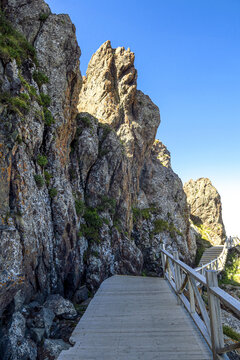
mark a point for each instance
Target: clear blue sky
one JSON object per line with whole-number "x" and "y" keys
{"x": 188, "y": 61}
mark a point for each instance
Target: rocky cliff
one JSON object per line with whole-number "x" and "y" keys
{"x": 85, "y": 190}
{"x": 206, "y": 209}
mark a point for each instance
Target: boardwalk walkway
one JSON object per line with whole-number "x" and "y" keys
{"x": 134, "y": 318}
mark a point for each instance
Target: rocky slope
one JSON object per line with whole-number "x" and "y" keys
{"x": 206, "y": 209}
{"x": 85, "y": 190}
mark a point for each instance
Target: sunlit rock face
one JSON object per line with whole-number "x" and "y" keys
{"x": 109, "y": 94}
{"x": 206, "y": 209}
{"x": 86, "y": 191}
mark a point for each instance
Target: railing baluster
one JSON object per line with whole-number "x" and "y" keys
{"x": 163, "y": 257}
{"x": 201, "y": 304}
{"x": 177, "y": 275}
{"x": 215, "y": 314}
{"x": 192, "y": 298}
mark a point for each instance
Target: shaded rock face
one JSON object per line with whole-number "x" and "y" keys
{"x": 85, "y": 190}
{"x": 206, "y": 209}
{"x": 33, "y": 230}
{"x": 163, "y": 215}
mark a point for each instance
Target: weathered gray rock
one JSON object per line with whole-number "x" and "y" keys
{"x": 80, "y": 295}
{"x": 37, "y": 334}
{"x": 60, "y": 306}
{"x": 206, "y": 209}
{"x": 26, "y": 15}
{"x": 44, "y": 241}
{"x": 53, "y": 347}
{"x": 17, "y": 347}
{"x": 230, "y": 320}
{"x": 161, "y": 215}
{"x": 39, "y": 321}
{"x": 48, "y": 316}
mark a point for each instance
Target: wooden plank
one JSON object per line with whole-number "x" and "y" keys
{"x": 128, "y": 327}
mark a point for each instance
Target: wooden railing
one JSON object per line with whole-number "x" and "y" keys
{"x": 184, "y": 280}
{"x": 218, "y": 263}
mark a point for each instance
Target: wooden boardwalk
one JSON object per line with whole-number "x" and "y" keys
{"x": 134, "y": 318}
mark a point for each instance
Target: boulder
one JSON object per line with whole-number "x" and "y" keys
{"x": 206, "y": 210}
{"x": 80, "y": 295}
{"x": 53, "y": 347}
{"x": 61, "y": 307}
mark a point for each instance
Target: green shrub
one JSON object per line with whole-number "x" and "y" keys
{"x": 42, "y": 160}
{"x": 84, "y": 120}
{"x": 48, "y": 118}
{"x": 24, "y": 96}
{"x": 16, "y": 104}
{"x": 79, "y": 206}
{"x": 90, "y": 233}
{"x": 40, "y": 78}
{"x": 92, "y": 218}
{"x": 106, "y": 221}
{"x": 52, "y": 192}
{"x": 136, "y": 214}
{"x": 19, "y": 140}
{"x": 13, "y": 45}
{"x": 160, "y": 225}
{"x": 144, "y": 214}
{"x": 48, "y": 177}
{"x": 93, "y": 224}
{"x": 45, "y": 99}
{"x": 43, "y": 16}
{"x": 32, "y": 91}
{"x": 39, "y": 180}
{"x": 231, "y": 273}
{"x": 19, "y": 103}
{"x": 228, "y": 331}
{"x": 107, "y": 203}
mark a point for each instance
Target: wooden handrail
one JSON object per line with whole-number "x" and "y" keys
{"x": 228, "y": 244}
{"x": 186, "y": 288}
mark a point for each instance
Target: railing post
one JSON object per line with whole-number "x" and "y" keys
{"x": 191, "y": 298}
{"x": 162, "y": 247}
{"x": 215, "y": 314}
{"x": 202, "y": 271}
{"x": 177, "y": 275}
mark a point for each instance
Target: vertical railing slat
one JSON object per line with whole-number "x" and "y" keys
{"x": 215, "y": 314}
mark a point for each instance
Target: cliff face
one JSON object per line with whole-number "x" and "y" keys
{"x": 154, "y": 204}
{"x": 206, "y": 209}
{"x": 38, "y": 109}
{"x": 85, "y": 191}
